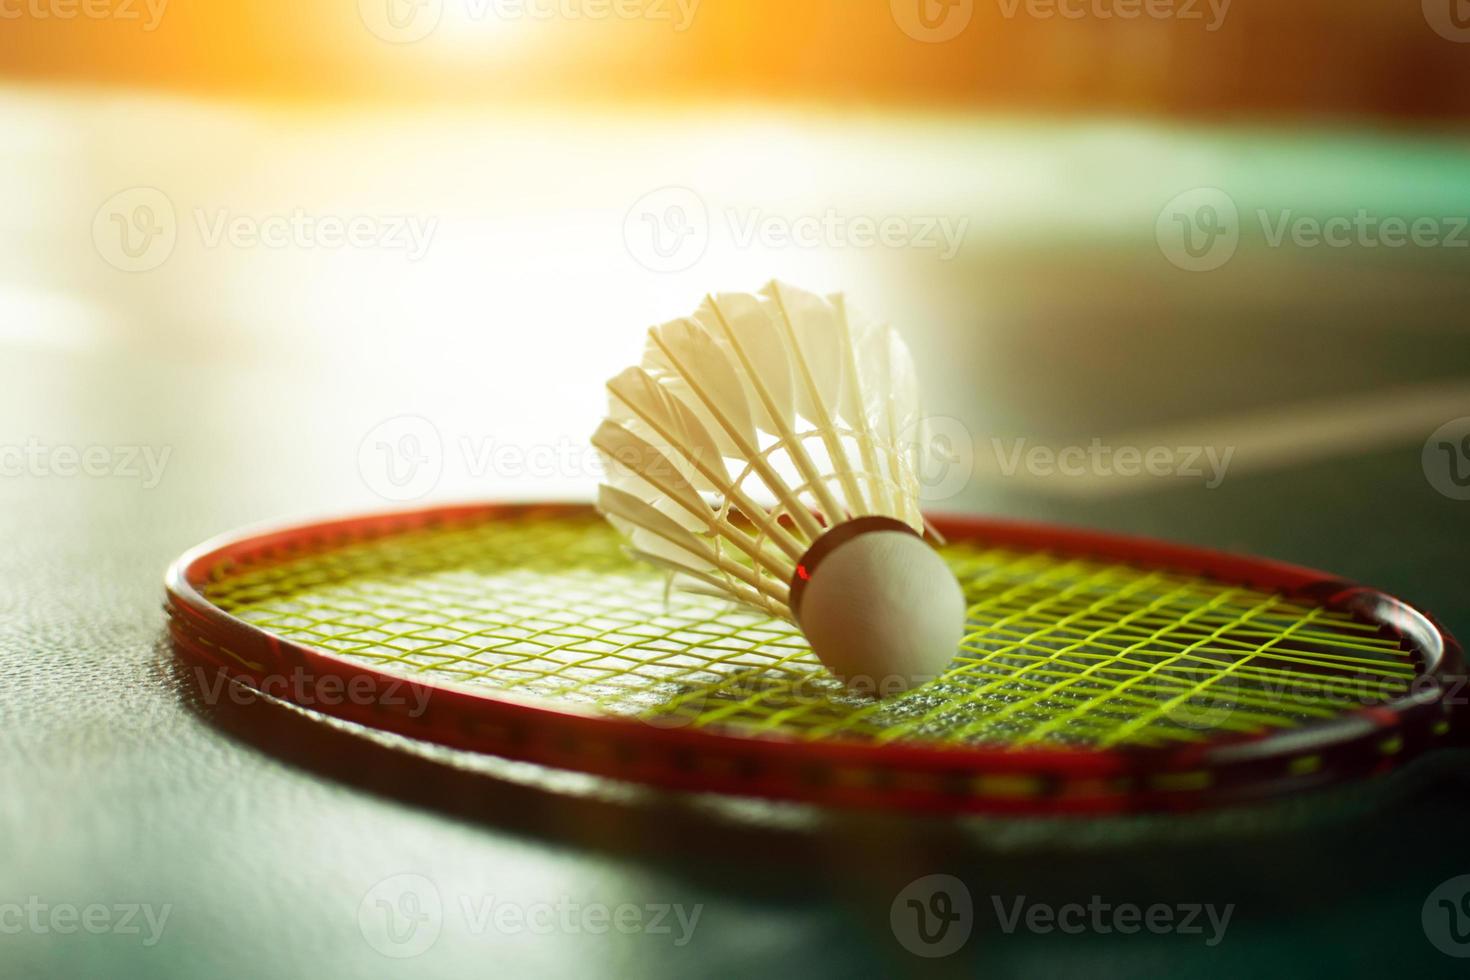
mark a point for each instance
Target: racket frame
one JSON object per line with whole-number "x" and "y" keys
{"x": 840, "y": 771}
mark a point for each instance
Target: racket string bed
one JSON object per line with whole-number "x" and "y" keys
{"x": 1059, "y": 650}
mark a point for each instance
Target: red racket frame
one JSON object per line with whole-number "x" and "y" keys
{"x": 845, "y": 772}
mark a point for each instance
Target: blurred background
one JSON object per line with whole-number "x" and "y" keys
{"x": 271, "y": 259}
{"x": 1204, "y": 58}
{"x": 318, "y": 250}
{"x": 464, "y": 212}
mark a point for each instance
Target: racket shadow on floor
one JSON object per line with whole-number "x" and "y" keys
{"x": 1252, "y": 857}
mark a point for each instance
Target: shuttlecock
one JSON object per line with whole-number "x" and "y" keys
{"x": 768, "y": 449}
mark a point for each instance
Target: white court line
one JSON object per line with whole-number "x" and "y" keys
{"x": 1259, "y": 441}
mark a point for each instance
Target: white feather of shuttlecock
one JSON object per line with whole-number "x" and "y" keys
{"x": 749, "y": 429}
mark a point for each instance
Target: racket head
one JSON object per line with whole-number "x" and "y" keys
{"x": 250, "y": 606}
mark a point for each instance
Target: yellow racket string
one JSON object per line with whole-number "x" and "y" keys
{"x": 1058, "y": 650}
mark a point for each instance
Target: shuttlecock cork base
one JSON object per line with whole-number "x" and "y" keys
{"x": 766, "y": 450}
{"x": 879, "y": 606}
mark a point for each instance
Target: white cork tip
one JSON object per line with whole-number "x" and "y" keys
{"x": 883, "y": 612}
